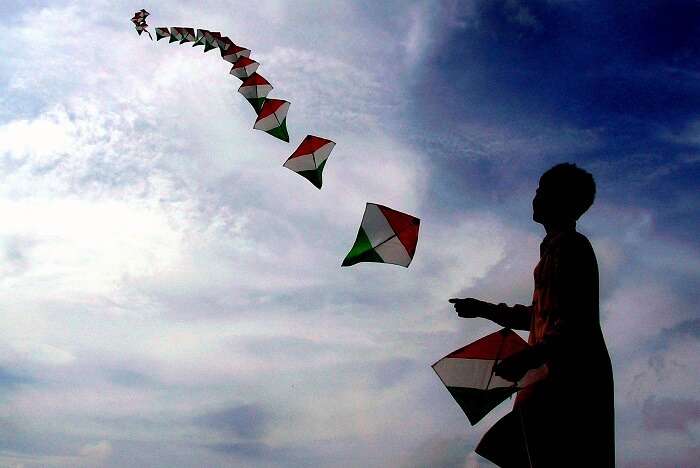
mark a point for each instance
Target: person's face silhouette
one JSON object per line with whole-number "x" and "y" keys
{"x": 546, "y": 209}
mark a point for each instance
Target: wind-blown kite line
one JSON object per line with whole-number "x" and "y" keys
{"x": 385, "y": 235}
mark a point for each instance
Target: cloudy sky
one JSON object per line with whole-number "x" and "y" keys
{"x": 171, "y": 296}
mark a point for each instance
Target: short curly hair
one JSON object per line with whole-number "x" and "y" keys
{"x": 574, "y": 187}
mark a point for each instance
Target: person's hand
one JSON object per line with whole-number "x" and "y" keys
{"x": 514, "y": 367}
{"x": 470, "y": 307}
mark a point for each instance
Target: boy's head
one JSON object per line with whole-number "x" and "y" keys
{"x": 565, "y": 192}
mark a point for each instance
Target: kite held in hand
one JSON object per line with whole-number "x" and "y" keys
{"x": 468, "y": 373}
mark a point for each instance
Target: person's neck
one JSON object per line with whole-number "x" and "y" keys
{"x": 558, "y": 227}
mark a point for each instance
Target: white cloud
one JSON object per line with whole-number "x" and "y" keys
{"x": 158, "y": 262}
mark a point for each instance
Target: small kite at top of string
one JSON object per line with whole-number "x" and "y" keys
{"x": 139, "y": 21}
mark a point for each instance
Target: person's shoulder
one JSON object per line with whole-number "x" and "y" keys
{"x": 577, "y": 244}
{"x": 573, "y": 241}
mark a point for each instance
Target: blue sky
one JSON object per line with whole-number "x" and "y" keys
{"x": 172, "y": 296}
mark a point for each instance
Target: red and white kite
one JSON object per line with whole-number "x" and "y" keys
{"x": 244, "y": 67}
{"x": 272, "y": 118}
{"x": 385, "y": 236}
{"x": 310, "y": 158}
{"x": 255, "y": 89}
{"x": 468, "y": 373}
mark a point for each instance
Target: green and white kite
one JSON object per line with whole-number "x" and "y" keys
{"x": 233, "y": 52}
{"x": 271, "y": 113}
{"x": 385, "y": 236}
{"x": 255, "y": 89}
{"x": 244, "y": 67}
{"x": 272, "y": 118}
{"x": 211, "y": 39}
{"x": 187, "y": 35}
{"x": 310, "y": 158}
{"x": 161, "y": 33}
{"x": 200, "y": 39}
{"x": 176, "y": 34}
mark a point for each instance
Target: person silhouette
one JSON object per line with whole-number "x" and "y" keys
{"x": 567, "y": 418}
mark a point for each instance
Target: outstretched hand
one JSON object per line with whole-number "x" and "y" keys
{"x": 469, "y": 307}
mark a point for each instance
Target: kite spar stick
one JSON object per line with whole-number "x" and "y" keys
{"x": 396, "y": 235}
{"x": 495, "y": 361}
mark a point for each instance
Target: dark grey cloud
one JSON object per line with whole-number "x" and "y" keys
{"x": 669, "y": 414}
{"x": 246, "y": 449}
{"x": 249, "y": 421}
{"x": 10, "y": 379}
{"x": 129, "y": 378}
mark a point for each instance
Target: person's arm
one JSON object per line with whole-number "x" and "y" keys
{"x": 516, "y": 317}
{"x": 566, "y": 304}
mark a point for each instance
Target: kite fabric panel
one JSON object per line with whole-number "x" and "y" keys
{"x": 385, "y": 236}
{"x": 468, "y": 373}
{"x": 309, "y": 159}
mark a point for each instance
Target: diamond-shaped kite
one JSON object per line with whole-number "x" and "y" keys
{"x": 175, "y": 34}
{"x": 272, "y": 118}
{"x": 310, "y": 158}
{"x": 385, "y": 236}
{"x": 139, "y": 21}
{"x": 244, "y": 67}
{"x": 211, "y": 40}
{"x": 187, "y": 35}
{"x": 233, "y": 52}
{"x": 200, "y": 39}
{"x": 468, "y": 373}
{"x": 161, "y": 33}
{"x": 255, "y": 89}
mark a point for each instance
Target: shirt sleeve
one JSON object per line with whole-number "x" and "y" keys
{"x": 516, "y": 317}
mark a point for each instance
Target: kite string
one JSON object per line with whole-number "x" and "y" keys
{"x": 522, "y": 428}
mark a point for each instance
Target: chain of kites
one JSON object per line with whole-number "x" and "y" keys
{"x": 385, "y": 235}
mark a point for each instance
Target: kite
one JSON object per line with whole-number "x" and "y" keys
{"x": 139, "y": 21}
{"x": 309, "y": 159}
{"x": 385, "y": 236}
{"x": 231, "y": 53}
{"x": 255, "y": 89}
{"x": 468, "y": 373}
{"x": 187, "y": 35}
{"x": 161, "y": 33}
{"x": 271, "y": 113}
{"x": 211, "y": 39}
{"x": 175, "y": 34}
{"x": 244, "y": 67}
{"x": 272, "y": 118}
